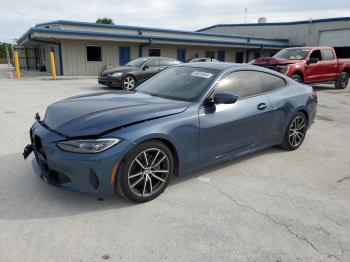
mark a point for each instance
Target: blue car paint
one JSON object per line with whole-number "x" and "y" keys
{"x": 198, "y": 135}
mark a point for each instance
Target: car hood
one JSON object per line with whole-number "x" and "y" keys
{"x": 118, "y": 69}
{"x": 94, "y": 114}
{"x": 266, "y": 61}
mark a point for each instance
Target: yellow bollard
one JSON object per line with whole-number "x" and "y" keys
{"x": 18, "y": 72}
{"x": 53, "y": 65}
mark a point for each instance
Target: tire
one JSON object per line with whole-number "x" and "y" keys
{"x": 295, "y": 133}
{"x": 297, "y": 78}
{"x": 142, "y": 180}
{"x": 342, "y": 81}
{"x": 129, "y": 82}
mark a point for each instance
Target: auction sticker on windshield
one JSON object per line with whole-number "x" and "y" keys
{"x": 201, "y": 74}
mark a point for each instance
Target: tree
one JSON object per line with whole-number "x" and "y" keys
{"x": 105, "y": 20}
{"x": 3, "y": 58}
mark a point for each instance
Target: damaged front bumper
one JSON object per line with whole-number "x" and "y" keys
{"x": 88, "y": 173}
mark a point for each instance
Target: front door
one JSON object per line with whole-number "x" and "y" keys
{"x": 313, "y": 72}
{"x": 221, "y": 55}
{"x": 124, "y": 55}
{"x": 231, "y": 128}
{"x": 150, "y": 68}
{"x": 181, "y": 55}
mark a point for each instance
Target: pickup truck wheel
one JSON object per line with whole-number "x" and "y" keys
{"x": 342, "y": 81}
{"x": 297, "y": 78}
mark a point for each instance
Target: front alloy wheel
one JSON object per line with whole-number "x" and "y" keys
{"x": 145, "y": 173}
{"x": 129, "y": 83}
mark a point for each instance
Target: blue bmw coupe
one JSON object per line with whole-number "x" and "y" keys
{"x": 185, "y": 118}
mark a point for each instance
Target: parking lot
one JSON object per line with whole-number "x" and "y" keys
{"x": 270, "y": 206}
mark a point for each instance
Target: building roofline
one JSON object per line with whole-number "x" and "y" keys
{"x": 143, "y": 37}
{"x": 324, "y": 20}
{"x": 151, "y": 29}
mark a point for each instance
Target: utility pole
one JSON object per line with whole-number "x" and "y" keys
{"x": 245, "y": 15}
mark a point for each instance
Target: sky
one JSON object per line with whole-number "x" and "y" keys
{"x": 17, "y": 16}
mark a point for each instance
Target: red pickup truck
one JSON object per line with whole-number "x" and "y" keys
{"x": 309, "y": 65}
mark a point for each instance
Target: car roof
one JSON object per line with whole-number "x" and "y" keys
{"x": 149, "y": 57}
{"x": 226, "y": 67}
{"x": 222, "y": 66}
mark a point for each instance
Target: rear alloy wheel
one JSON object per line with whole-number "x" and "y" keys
{"x": 129, "y": 82}
{"x": 297, "y": 78}
{"x": 145, "y": 173}
{"x": 342, "y": 81}
{"x": 296, "y": 132}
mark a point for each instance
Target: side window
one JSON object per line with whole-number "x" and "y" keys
{"x": 241, "y": 83}
{"x": 270, "y": 82}
{"x": 327, "y": 54}
{"x": 316, "y": 54}
{"x": 154, "y": 62}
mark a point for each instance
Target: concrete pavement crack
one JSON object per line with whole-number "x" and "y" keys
{"x": 286, "y": 226}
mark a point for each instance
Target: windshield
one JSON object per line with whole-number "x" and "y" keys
{"x": 137, "y": 62}
{"x": 179, "y": 83}
{"x": 292, "y": 54}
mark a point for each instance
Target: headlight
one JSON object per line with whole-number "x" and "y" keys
{"x": 284, "y": 69}
{"x": 87, "y": 146}
{"x": 117, "y": 74}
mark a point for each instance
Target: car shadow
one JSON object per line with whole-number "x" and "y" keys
{"x": 222, "y": 165}
{"x": 24, "y": 196}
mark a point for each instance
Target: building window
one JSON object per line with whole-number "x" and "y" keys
{"x": 239, "y": 57}
{"x": 154, "y": 52}
{"x": 93, "y": 53}
{"x": 256, "y": 55}
{"x": 210, "y": 54}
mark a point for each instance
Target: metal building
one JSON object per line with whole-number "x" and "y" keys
{"x": 334, "y": 32}
{"x": 86, "y": 48}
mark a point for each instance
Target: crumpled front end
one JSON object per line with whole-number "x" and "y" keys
{"x": 88, "y": 173}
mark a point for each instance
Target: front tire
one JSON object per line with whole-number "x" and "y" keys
{"x": 129, "y": 82}
{"x": 295, "y": 133}
{"x": 342, "y": 81}
{"x": 145, "y": 172}
{"x": 297, "y": 78}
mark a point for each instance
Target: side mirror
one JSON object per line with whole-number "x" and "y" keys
{"x": 313, "y": 60}
{"x": 145, "y": 67}
{"x": 225, "y": 98}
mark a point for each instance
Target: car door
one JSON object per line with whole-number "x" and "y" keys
{"x": 329, "y": 64}
{"x": 231, "y": 128}
{"x": 152, "y": 67}
{"x": 313, "y": 72}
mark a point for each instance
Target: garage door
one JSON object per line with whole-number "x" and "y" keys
{"x": 335, "y": 38}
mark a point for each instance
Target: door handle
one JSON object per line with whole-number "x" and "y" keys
{"x": 261, "y": 106}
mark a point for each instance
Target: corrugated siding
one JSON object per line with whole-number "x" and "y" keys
{"x": 74, "y": 57}
{"x": 298, "y": 34}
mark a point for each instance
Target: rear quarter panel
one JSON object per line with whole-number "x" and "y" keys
{"x": 285, "y": 103}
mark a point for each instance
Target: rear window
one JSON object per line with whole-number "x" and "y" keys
{"x": 327, "y": 54}
{"x": 270, "y": 82}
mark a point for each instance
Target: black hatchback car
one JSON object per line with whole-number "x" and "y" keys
{"x": 135, "y": 72}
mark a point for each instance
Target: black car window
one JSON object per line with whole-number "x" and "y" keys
{"x": 327, "y": 54}
{"x": 271, "y": 82}
{"x": 179, "y": 83}
{"x": 153, "y": 62}
{"x": 316, "y": 54}
{"x": 241, "y": 83}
